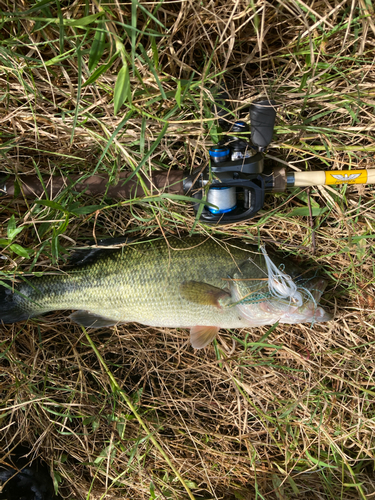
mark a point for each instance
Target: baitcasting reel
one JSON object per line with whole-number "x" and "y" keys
{"x": 234, "y": 185}
{"x": 231, "y": 190}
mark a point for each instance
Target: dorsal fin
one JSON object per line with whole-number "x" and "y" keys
{"x": 83, "y": 256}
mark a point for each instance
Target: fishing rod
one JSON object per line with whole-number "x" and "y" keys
{"x": 231, "y": 189}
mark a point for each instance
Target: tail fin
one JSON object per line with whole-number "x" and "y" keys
{"x": 12, "y": 307}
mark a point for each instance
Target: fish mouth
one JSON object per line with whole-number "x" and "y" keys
{"x": 315, "y": 287}
{"x": 288, "y": 310}
{"x": 322, "y": 316}
{"x": 312, "y": 290}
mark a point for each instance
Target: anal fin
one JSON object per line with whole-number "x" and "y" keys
{"x": 91, "y": 320}
{"x": 200, "y": 336}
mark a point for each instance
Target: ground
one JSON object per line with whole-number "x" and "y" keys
{"x": 135, "y": 412}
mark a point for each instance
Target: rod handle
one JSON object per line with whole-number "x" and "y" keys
{"x": 331, "y": 177}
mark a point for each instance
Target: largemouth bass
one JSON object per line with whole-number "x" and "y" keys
{"x": 196, "y": 283}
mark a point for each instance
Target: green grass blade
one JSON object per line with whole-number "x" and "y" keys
{"x": 122, "y": 92}
{"x": 153, "y": 71}
{"x": 97, "y": 47}
{"x": 116, "y": 387}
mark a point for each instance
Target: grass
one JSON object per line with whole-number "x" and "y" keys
{"x": 134, "y": 412}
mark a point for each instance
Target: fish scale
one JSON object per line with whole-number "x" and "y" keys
{"x": 164, "y": 283}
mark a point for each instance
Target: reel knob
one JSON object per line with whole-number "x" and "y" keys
{"x": 262, "y": 117}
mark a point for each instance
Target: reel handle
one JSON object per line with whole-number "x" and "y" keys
{"x": 262, "y": 121}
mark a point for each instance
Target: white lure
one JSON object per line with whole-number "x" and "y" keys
{"x": 280, "y": 284}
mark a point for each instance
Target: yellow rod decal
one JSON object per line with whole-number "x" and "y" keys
{"x": 346, "y": 177}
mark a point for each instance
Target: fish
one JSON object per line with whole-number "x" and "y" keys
{"x": 197, "y": 283}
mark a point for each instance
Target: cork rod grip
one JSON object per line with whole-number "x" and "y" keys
{"x": 304, "y": 179}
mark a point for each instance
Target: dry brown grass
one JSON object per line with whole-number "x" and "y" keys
{"x": 292, "y": 419}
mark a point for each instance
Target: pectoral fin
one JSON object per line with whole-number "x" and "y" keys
{"x": 90, "y": 320}
{"x": 200, "y": 336}
{"x": 204, "y": 294}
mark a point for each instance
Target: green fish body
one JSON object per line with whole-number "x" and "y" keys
{"x": 197, "y": 283}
